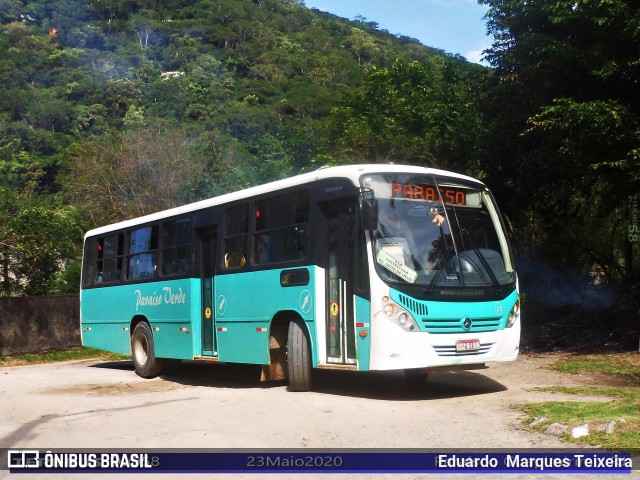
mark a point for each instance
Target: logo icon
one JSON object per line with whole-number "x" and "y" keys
{"x": 467, "y": 323}
{"x": 305, "y": 301}
{"x": 222, "y": 304}
{"x": 23, "y": 459}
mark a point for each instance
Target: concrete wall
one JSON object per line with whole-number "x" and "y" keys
{"x": 28, "y": 324}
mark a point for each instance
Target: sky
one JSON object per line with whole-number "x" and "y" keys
{"x": 455, "y": 26}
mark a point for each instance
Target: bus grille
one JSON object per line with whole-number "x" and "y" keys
{"x": 450, "y": 350}
{"x": 454, "y": 325}
{"x": 414, "y": 306}
{"x": 446, "y": 325}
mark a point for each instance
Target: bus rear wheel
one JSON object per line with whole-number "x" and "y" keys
{"x": 143, "y": 352}
{"x": 298, "y": 359}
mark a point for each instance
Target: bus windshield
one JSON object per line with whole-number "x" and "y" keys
{"x": 438, "y": 232}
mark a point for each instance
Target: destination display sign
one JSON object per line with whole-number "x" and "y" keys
{"x": 451, "y": 196}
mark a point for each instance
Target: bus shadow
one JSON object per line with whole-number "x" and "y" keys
{"x": 393, "y": 385}
{"x": 228, "y": 375}
{"x": 225, "y": 375}
{"x": 115, "y": 365}
{"x": 372, "y": 385}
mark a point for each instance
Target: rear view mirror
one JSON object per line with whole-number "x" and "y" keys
{"x": 368, "y": 209}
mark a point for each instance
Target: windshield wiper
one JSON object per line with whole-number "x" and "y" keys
{"x": 435, "y": 278}
{"x": 482, "y": 258}
{"x": 445, "y": 254}
{"x": 453, "y": 241}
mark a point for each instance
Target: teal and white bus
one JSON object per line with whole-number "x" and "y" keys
{"x": 362, "y": 267}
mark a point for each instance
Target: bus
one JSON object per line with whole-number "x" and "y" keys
{"x": 360, "y": 267}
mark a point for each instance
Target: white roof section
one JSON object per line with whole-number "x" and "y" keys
{"x": 352, "y": 172}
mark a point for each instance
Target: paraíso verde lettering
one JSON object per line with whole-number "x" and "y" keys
{"x": 168, "y": 297}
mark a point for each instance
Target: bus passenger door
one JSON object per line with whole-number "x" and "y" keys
{"x": 207, "y": 262}
{"x": 340, "y": 235}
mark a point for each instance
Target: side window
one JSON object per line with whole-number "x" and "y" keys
{"x": 176, "y": 247}
{"x": 89, "y": 263}
{"x": 143, "y": 251}
{"x": 235, "y": 236}
{"x": 281, "y": 228}
{"x": 103, "y": 260}
{"x": 111, "y": 247}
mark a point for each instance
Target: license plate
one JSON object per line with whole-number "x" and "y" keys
{"x": 467, "y": 345}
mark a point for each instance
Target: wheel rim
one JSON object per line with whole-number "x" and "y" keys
{"x": 141, "y": 350}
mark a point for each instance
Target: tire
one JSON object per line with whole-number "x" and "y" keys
{"x": 298, "y": 359}
{"x": 143, "y": 352}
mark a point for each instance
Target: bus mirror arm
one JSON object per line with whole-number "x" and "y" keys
{"x": 368, "y": 209}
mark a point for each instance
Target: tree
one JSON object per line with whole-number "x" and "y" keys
{"x": 408, "y": 113}
{"x": 92, "y": 93}
{"x": 565, "y": 122}
{"x": 39, "y": 236}
{"x": 36, "y": 242}
{"x": 134, "y": 172}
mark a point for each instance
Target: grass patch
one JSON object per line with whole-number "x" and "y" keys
{"x": 623, "y": 408}
{"x": 47, "y": 356}
{"x": 621, "y": 364}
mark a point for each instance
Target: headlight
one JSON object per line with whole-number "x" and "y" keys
{"x": 399, "y": 315}
{"x": 514, "y": 314}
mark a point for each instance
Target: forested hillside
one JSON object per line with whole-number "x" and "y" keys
{"x": 112, "y": 109}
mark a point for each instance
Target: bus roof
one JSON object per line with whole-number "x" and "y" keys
{"x": 352, "y": 172}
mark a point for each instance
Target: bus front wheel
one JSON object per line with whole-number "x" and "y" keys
{"x": 143, "y": 352}
{"x": 298, "y": 359}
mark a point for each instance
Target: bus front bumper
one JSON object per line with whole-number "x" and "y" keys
{"x": 393, "y": 348}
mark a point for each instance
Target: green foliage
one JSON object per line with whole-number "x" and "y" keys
{"x": 111, "y": 109}
{"x": 564, "y": 122}
{"x": 36, "y": 242}
{"x": 412, "y": 113}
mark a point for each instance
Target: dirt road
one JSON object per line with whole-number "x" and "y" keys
{"x": 97, "y": 404}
